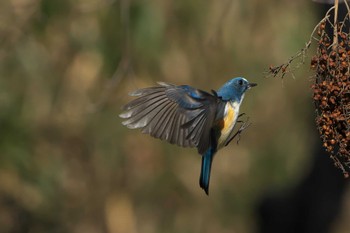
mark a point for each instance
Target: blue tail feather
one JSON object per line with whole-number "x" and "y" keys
{"x": 204, "y": 178}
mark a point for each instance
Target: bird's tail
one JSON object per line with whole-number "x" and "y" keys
{"x": 204, "y": 178}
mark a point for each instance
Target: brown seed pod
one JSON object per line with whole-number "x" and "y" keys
{"x": 322, "y": 26}
{"x": 331, "y": 93}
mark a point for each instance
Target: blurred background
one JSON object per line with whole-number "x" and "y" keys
{"x": 68, "y": 165}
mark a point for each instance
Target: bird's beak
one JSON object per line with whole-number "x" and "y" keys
{"x": 250, "y": 85}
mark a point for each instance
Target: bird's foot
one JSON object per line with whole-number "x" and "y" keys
{"x": 244, "y": 125}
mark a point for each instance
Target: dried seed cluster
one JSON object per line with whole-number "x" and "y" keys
{"x": 331, "y": 94}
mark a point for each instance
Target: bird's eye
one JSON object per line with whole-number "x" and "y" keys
{"x": 240, "y": 82}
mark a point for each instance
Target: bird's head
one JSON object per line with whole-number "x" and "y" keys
{"x": 234, "y": 89}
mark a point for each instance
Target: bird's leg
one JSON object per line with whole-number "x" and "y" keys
{"x": 241, "y": 129}
{"x": 243, "y": 126}
{"x": 242, "y": 114}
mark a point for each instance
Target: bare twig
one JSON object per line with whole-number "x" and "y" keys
{"x": 335, "y": 28}
{"x": 347, "y": 6}
{"x": 286, "y": 67}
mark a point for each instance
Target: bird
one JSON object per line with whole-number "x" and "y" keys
{"x": 189, "y": 117}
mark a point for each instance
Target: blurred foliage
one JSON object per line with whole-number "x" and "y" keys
{"x": 66, "y": 66}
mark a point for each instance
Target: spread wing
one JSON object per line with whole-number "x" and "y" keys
{"x": 181, "y": 115}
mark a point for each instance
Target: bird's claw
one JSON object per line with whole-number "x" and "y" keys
{"x": 245, "y": 125}
{"x": 242, "y": 114}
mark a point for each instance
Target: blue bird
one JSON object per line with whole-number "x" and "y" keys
{"x": 189, "y": 117}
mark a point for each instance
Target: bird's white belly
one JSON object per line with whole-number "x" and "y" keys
{"x": 228, "y": 123}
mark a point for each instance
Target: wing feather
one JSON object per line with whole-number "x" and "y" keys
{"x": 150, "y": 118}
{"x": 169, "y": 121}
{"x": 162, "y": 119}
{"x": 144, "y": 92}
{"x": 141, "y": 117}
{"x": 180, "y": 115}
